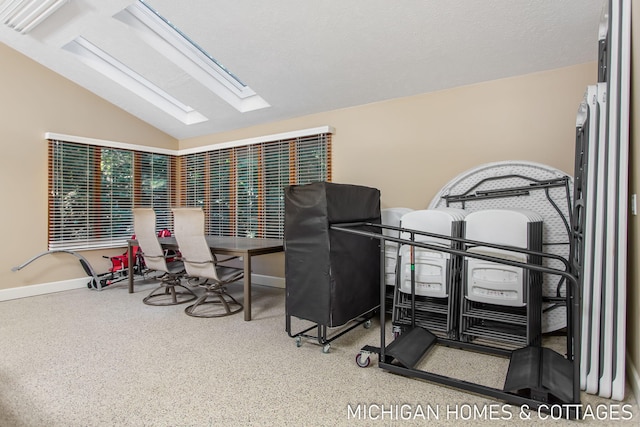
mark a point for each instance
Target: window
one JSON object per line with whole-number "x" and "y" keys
{"x": 93, "y": 186}
{"x": 241, "y": 188}
{"x": 92, "y": 190}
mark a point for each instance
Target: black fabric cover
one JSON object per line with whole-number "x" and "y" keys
{"x": 331, "y": 276}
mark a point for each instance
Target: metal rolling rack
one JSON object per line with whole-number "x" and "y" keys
{"x": 523, "y": 190}
{"x": 536, "y": 376}
{"x": 557, "y": 235}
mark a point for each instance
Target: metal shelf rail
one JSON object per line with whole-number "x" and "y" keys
{"x": 323, "y": 335}
{"x": 476, "y": 193}
{"x": 537, "y": 376}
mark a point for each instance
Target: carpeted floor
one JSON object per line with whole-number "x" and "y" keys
{"x": 88, "y": 358}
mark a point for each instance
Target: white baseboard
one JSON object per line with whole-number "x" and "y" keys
{"x": 43, "y": 288}
{"x": 273, "y": 281}
{"x": 634, "y": 378}
{"x": 65, "y": 285}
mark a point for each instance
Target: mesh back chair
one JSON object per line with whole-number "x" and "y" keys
{"x": 144, "y": 223}
{"x": 201, "y": 263}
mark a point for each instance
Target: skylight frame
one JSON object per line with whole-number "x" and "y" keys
{"x": 110, "y": 67}
{"x": 24, "y": 15}
{"x": 235, "y": 80}
{"x": 164, "y": 37}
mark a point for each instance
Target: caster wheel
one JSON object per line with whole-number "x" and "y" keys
{"x": 326, "y": 348}
{"x": 298, "y": 342}
{"x": 367, "y": 324}
{"x": 363, "y": 360}
{"x": 397, "y": 331}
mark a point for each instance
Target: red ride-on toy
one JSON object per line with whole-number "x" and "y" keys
{"x": 119, "y": 270}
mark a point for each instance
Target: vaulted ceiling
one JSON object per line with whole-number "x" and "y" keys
{"x": 304, "y": 57}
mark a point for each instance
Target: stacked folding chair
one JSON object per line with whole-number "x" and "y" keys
{"x": 434, "y": 296}
{"x": 501, "y": 305}
{"x": 391, "y": 217}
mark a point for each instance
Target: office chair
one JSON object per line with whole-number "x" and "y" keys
{"x": 202, "y": 264}
{"x": 144, "y": 223}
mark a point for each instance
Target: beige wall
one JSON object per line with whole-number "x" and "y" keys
{"x": 34, "y": 101}
{"x": 410, "y": 147}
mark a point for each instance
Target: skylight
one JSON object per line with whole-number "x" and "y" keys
{"x": 24, "y": 15}
{"x": 187, "y": 38}
{"x": 175, "y": 45}
{"x": 110, "y": 67}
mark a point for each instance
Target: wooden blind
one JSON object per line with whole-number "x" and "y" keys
{"x": 241, "y": 189}
{"x": 92, "y": 190}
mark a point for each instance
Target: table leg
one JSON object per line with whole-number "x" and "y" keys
{"x": 247, "y": 287}
{"x": 130, "y": 266}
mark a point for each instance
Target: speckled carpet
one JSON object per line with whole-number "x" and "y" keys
{"x": 88, "y": 358}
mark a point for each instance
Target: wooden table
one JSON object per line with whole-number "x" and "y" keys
{"x": 236, "y": 246}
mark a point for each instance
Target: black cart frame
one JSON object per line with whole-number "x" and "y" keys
{"x": 332, "y": 277}
{"x": 538, "y": 399}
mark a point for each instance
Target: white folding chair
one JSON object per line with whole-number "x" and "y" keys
{"x": 391, "y": 216}
{"x": 430, "y": 266}
{"x": 490, "y": 282}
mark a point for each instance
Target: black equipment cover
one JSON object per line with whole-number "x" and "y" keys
{"x": 332, "y": 277}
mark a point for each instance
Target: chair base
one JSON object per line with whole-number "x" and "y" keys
{"x": 224, "y": 301}
{"x": 169, "y": 293}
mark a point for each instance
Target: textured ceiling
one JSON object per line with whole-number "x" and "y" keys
{"x": 306, "y": 57}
